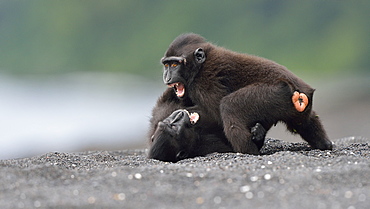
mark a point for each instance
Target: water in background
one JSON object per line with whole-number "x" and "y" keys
{"x": 85, "y": 111}
{"x": 73, "y": 112}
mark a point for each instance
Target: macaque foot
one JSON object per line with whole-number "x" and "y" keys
{"x": 258, "y": 135}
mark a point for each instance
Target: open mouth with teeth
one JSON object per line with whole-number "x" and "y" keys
{"x": 179, "y": 88}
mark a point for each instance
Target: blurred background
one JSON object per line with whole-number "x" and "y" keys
{"x": 84, "y": 75}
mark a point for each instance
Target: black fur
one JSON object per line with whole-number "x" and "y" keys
{"x": 235, "y": 91}
{"x": 175, "y": 138}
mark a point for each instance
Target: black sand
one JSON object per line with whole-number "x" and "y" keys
{"x": 288, "y": 175}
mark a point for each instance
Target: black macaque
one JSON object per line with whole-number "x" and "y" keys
{"x": 176, "y": 138}
{"x": 237, "y": 91}
{"x": 174, "y": 134}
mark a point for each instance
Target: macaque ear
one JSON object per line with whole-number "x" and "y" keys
{"x": 194, "y": 117}
{"x": 199, "y": 55}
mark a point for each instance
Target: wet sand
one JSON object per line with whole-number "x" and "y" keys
{"x": 287, "y": 175}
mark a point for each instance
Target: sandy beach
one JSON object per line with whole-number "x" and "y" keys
{"x": 285, "y": 176}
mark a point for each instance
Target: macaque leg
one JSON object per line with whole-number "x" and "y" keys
{"x": 241, "y": 111}
{"x": 239, "y": 136}
{"x": 312, "y": 131}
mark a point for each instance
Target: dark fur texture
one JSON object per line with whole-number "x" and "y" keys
{"x": 235, "y": 91}
{"x": 175, "y": 138}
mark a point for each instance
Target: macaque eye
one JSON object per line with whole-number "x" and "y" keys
{"x": 174, "y": 65}
{"x": 166, "y": 65}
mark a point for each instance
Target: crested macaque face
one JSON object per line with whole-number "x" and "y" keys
{"x": 179, "y": 70}
{"x": 174, "y": 138}
{"x": 172, "y": 74}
